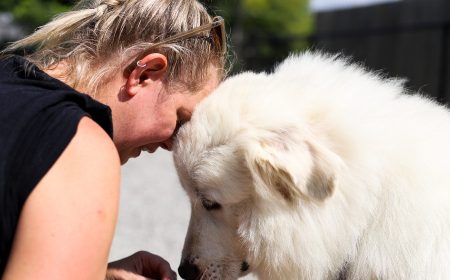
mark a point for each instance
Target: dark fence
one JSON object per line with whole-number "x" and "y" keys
{"x": 409, "y": 39}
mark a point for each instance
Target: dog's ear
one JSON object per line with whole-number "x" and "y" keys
{"x": 293, "y": 168}
{"x": 323, "y": 177}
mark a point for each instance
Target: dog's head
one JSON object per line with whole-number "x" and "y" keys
{"x": 242, "y": 161}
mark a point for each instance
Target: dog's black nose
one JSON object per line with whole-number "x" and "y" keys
{"x": 188, "y": 271}
{"x": 244, "y": 266}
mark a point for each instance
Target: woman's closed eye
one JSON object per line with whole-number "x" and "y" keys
{"x": 210, "y": 205}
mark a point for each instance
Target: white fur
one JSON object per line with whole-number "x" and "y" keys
{"x": 320, "y": 167}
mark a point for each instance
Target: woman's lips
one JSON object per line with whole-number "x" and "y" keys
{"x": 150, "y": 149}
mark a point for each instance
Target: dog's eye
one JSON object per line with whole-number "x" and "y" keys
{"x": 210, "y": 205}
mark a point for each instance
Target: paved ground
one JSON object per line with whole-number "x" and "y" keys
{"x": 154, "y": 211}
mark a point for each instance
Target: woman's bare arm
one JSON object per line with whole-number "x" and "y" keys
{"x": 67, "y": 224}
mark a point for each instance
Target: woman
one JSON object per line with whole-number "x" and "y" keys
{"x": 143, "y": 66}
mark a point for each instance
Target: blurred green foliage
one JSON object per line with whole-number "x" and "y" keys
{"x": 263, "y": 32}
{"x": 33, "y": 13}
{"x": 287, "y": 17}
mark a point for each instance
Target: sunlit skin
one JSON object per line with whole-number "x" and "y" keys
{"x": 145, "y": 110}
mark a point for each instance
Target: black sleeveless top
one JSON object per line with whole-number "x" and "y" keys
{"x": 38, "y": 118}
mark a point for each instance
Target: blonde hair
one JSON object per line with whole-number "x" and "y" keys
{"x": 91, "y": 38}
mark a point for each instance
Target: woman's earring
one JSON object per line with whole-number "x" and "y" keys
{"x": 139, "y": 64}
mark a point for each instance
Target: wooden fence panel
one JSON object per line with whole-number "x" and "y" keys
{"x": 409, "y": 39}
{"x": 445, "y": 69}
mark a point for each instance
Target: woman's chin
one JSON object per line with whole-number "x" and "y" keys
{"x": 126, "y": 155}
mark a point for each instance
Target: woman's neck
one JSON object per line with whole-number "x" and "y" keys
{"x": 60, "y": 72}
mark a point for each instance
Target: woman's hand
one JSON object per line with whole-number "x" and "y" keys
{"x": 140, "y": 266}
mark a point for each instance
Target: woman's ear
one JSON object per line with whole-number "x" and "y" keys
{"x": 150, "y": 68}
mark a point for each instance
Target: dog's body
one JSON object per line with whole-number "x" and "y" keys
{"x": 319, "y": 170}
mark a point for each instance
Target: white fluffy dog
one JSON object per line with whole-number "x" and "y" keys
{"x": 319, "y": 170}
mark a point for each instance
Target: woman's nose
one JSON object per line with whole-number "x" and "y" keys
{"x": 167, "y": 145}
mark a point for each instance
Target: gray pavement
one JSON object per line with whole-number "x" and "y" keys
{"x": 154, "y": 210}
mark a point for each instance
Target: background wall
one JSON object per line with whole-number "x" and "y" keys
{"x": 407, "y": 39}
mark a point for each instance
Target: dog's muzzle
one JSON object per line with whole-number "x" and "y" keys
{"x": 188, "y": 271}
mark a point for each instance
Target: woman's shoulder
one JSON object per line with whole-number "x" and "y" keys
{"x": 37, "y": 129}
{"x": 39, "y": 116}
{"x": 26, "y": 91}
{"x": 92, "y": 141}
{"x": 74, "y": 204}
{"x": 90, "y": 151}
{"x": 37, "y": 125}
